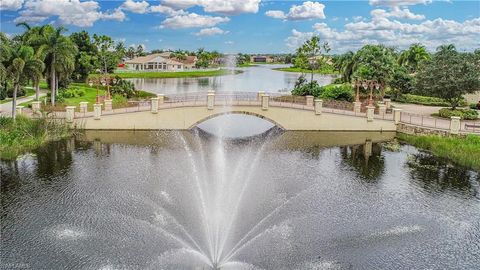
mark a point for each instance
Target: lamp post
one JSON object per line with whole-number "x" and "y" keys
{"x": 91, "y": 82}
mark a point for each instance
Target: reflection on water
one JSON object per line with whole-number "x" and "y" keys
{"x": 317, "y": 200}
{"x": 257, "y": 78}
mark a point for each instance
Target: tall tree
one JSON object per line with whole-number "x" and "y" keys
{"x": 313, "y": 50}
{"x": 22, "y": 65}
{"x": 449, "y": 75}
{"x": 86, "y": 58}
{"x": 59, "y": 51}
{"x": 412, "y": 57}
{"x": 107, "y": 58}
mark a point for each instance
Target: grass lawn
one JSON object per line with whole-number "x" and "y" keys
{"x": 179, "y": 74}
{"x": 28, "y": 92}
{"x": 462, "y": 150}
{"x": 246, "y": 65}
{"x": 90, "y": 96}
{"x": 318, "y": 71}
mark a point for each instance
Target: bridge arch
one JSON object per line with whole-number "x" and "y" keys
{"x": 237, "y": 112}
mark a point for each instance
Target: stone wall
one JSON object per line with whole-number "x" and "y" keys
{"x": 418, "y": 130}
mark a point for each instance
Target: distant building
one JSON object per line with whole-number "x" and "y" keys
{"x": 261, "y": 59}
{"x": 160, "y": 62}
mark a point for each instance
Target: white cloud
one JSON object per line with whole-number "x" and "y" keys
{"x": 307, "y": 10}
{"x": 135, "y": 7}
{"x": 229, "y": 42}
{"x": 166, "y": 10}
{"x": 192, "y": 20}
{"x": 72, "y": 12}
{"x": 180, "y": 4}
{"x": 227, "y": 7}
{"x": 431, "y": 33}
{"x": 277, "y": 14}
{"x": 396, "y": 3}
{"x": 230, "y": 7}
{"x": 116, "y": 15}
{"x": 11, "y": 4}
{"x": 211, "y": 32}
{"x": 396, "y": 12}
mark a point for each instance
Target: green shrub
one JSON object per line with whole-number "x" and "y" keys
{"x": 123, "y": 87}
{"x": 464, "y": 114}
{"x": 308, "y": 89}
{"x": 473, "y": 106}
{"x": 422, "y": 100}
{"x": 337, "y": 92}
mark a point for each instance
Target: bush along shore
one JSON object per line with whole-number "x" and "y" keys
{"x": 27, "y": 134}
{"x": 462, "y": 150}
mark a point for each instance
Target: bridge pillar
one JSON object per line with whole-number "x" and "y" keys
{"x": 318, "y": 106}
{"x": 396, "y": 115}
{"x": 108, "y": 104}
{"x": 161, "y": 99}
{"x": 97, "y": 111}
{"x": 367, "y": 148}
{"x": 370, "y": 112}
{"x": 265, "y": 102}
{"x": 454, "y": 125}
{"x": 382, "y": 109}
{"x": 357, "y": 107}
{"x": 69, "y": 114}
{"x": 388, "y": 102}
{"x": 83, "y": 106}
{"x": 36, "y": 106}
{"x": 309, "y": 101}
{"x": 19, "y": 109}
{"x": 259, "y": 95}
{"x": 210, "y": 100}
{"x": 154, "y": 108}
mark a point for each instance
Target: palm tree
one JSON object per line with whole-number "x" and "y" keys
{"x": 22, "y": 66}
{"x": 412, "y": 57}
{"x": 59, "y": 51}
{"x": 313, "y": 49}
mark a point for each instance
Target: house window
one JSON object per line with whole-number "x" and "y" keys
{"x": 179, "y": 66}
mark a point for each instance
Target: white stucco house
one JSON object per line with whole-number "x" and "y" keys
{"x": 160, "y": 62}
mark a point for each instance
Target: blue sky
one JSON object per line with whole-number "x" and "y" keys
{"x": 257, "y": 26}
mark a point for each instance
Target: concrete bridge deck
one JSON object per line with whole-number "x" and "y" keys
{"x": 181, "y": 112}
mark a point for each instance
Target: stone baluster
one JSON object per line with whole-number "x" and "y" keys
{"x": 265, "y": 102}
{"x": 309, "y": 101}
{"x": 454, "y": 125}
{"x": 69, "y": 114}
{"x": 318, "y": 106}
{"x": 154, "y": 108}
{"x": 211, "y": 100}
{"x": 357, "y": 107}
{"x": 161, "y": 99}
{"x": 97, "y": 111}
{"x": 370, "y": 112}
{"x": 397, "y": 115}
{"x": 259, "y": 95}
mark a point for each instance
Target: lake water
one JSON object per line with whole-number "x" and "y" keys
{"x": 275, "y": 200}
{"x": 253, "y": 79}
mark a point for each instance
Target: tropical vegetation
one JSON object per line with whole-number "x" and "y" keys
{"x": 26, "y": 134}
{"x": 463, "y": 150}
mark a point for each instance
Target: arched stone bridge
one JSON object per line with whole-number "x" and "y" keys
{"x": 180, "y": 112}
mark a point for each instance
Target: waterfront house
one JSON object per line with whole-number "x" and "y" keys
{"x": 160, "y": 62}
